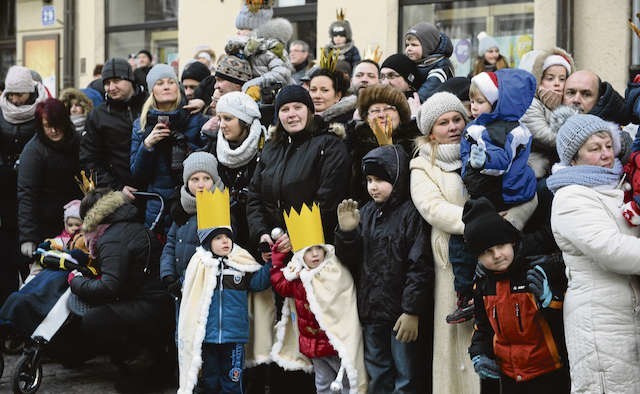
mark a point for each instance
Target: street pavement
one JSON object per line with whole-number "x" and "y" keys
{"x": 96, "y": 376}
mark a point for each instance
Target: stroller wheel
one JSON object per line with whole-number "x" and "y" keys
{"x": 27, "y": 376}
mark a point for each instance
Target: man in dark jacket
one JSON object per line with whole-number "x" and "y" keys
{"x": 105, "y": 145}
{"x": 585, "y": 91}
{"x": 385, "y": 246}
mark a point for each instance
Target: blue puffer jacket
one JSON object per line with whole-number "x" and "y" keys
{"x": 436, "y": 68}
{"x": 228, "y": 320}
{"x": 506, "y": 179}
{"x": 182, "y": 242}
{"x": 153, "y": 167}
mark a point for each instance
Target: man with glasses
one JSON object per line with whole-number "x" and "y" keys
{"x": 299, "y": 57}
{"x": 400, "y": 72}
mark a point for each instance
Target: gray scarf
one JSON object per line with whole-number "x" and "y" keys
{"x": 188, "y": 201}
{"x": 584, "y": 175}
{"x": 238, "y": 157}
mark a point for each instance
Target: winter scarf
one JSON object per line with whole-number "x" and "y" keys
{"x": 584, "y": 175}
{"x": 447, "y": 156}
{"x": 332, "y": 299}
{"x": 238, "y": 157}
{"x": 79, "y": 122}
{"x": 23, "y": 113}
{"x": 200, "y": 281}
{"x": 188, "y": 201}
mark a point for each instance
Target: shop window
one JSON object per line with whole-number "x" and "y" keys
{"x": 510, "y": 22}
{"x": 7, "y": 36}
{"x": 303, "y": 16}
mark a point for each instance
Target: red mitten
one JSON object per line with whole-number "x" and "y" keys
{"x": 73, "y": 274}
{"x": 632, "y": 176}
{"x": 631, "y": 213}
{"x": 277, "y": 258}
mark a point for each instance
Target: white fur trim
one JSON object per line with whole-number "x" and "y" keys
{"x": 556, "y": 60}
{"x": 486, "y": 85}
{"x": 281, "y": 326}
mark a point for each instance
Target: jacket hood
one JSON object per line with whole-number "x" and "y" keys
{"x": 445, "y": 46}
{"x": 111, "y": 208}
{"x": 395, "y": 163}
{"x": 538, "y": 63}
{"x": 277, "y": 28}
{"x": 516, "y": 90}
{"x": 611, "y": 106}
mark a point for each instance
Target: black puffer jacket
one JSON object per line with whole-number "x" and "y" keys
{"x": 389, "y": 252}
{"x": 106, "y": 143}
{"x": 611, "y": 106}
{"x": 306, "y": 167}
{"x": 122, "y": 253}
{"x": 45, "y": 184}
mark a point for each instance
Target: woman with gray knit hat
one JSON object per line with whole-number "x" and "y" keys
{"x": 600, "y": 247}
{"x": 489, "y": 57}
{"x": 439, "y": 195}
{"x": 162, "y": 137}
{"x": 237, "y": 146}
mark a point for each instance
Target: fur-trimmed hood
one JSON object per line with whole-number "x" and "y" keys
{"x": 536, "y": 70}
{"x": 106, "y": 208}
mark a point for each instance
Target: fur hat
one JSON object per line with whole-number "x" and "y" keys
{"x": 278, "y": 28}
{"x": 384, "y": 94}
{"x": 546, "y": 59}
{"x": 484, "y": 227}
{"x": 486, "y": 42}
{"x": 234, "y": 69}
{"x": 196, "y": 71}
{"x": 247, "y": 20}
{"x": 436, "y": 105}
{"x": 293, "y": 94}
{"x": 404, "y": 66}
{"x": 200, "y": 161}
{"x": 577, "y": 129}
{"x": 158, "y": 72}
{"x": 239, "y": 105}
{"x": 19, "y": 80}
{"x": 72, "y": 210}
{"x": 487, "y": 83}
{"x": 117, "y": 68}
{"x": 340, "y": 28}
{"x": 428, "y": 35}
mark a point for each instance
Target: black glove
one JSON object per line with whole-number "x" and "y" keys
{"x": 46, "y": 245}
{"x": 80, "y": 257}
{"x": 173, "y": 285}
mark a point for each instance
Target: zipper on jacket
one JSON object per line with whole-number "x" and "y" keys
{"x": 220, "y": 304}
{"x": 519, "y": 317}
{"x": 495, "y": 317}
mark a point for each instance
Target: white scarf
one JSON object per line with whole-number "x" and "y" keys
{"x": 447, "y": 156}
{"x": 234, "y": 158}
{"x": 22, "y": 113}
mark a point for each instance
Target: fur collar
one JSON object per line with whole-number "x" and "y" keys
{"x": 536, "y": 70}
{"x": 105, "y": 206}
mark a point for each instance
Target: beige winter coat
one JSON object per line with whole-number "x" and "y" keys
{"x": 602, "y": 303}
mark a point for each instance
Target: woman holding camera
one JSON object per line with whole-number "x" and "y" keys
{"x": 162, "y": 137}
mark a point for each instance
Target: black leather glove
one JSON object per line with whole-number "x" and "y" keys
{"x": 173, "y": 285}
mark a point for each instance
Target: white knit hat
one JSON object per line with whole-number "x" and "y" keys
{"x": 239, "y": 105}
{"x": 18, "y": 80}
{"x": 72, "y": 210}
{"x": 486, "y": 42}
{"x": 435, "y": 106}
{"x": 556, "y": 60}
{"x": 487, "y": 82}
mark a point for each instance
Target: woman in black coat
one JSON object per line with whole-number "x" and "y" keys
{"x": 304, "y": 161}
{"x": 48, "y": 165}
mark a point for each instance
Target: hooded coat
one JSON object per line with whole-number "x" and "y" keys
{"x": 388, "y": 253}
{"x": 436, "y": 68}
{"x": 312, "y": 165}
{"x": 46, "y": 182}
{"x": 505, "y": 179}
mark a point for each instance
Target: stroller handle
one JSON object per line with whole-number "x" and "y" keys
{"x": 152, "y": 196}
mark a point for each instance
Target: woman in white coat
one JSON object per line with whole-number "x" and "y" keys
{"x": 602, "y": 255}
{"x": 439, "y": 195}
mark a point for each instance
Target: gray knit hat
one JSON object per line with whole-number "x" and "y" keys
{"x": 239, "y": 105}
{"x": 435, "y": 106}
{"x": 234, "y": 69}
{"x": 247, "y": 20}
{"x": 486, "y": 42}
{"x": 427, "y": 34}
{"x": 577, "y": 129}
{"x": 18, "y": 80}
{"x": 117, "y": 68}
{"x": 160, "y": 71}
{"x": 200, "y": 161}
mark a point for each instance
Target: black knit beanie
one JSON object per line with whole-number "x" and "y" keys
{"x": 196, "y": 71}
{"x": 404, "y": 66}
{"x": 293, "y": 94}
{"x": 484, "y": 227}
{"x": 117, "y": 68}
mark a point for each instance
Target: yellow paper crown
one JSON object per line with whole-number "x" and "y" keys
{"x": 329, "y": 58}
{"x": 86, "y": 184}
{"x": 374, "y": 54}
{"x": 304, "y": 228}
{"x": 212, "y": 208}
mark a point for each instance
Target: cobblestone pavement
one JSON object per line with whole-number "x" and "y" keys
{"x": 96, "y": 376}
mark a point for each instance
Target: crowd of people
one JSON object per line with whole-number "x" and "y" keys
{"x": 354, "y": 225}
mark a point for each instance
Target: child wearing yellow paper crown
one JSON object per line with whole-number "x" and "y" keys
{"x": 323, "y": 296}
{"x": 212, "y": 329}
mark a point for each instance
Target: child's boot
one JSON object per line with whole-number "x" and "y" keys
{"x": 464, "y": 312}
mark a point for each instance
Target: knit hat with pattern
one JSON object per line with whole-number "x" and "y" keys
{"x": 435, "y": 106}
{"x": 117, "y": 68}
{"x": 234, "y": 69}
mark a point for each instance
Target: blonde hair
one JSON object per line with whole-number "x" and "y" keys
{"x": 426, "y": 139}
{"x": 474, "y": 92}
{"x": 151, "y": 103}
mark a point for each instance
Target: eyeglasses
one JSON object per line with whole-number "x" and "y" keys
{"x": 391, "y": 75}
{"x": 389, "y": 109}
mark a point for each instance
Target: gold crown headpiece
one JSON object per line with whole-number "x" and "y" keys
{"x": 212, "y": 208}
{"x": 374, "y": 54}
{"x": 633, "y": 26}
{"x": 329, "y": 58}
{"x": 304, "y": 228}
{"x": 86, "y": 184}
{"x": 340, "y": 14}
{"x": 255, "y": 5}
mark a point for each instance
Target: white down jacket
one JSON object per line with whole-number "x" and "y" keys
{"x": 602, "y": 256}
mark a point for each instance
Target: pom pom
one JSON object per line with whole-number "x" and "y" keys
{"x": 560, "y": 115}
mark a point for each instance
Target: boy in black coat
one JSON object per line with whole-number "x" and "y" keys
{"x": 385, "y": 246}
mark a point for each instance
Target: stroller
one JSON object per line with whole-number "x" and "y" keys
{"x": 54, "y": 312}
